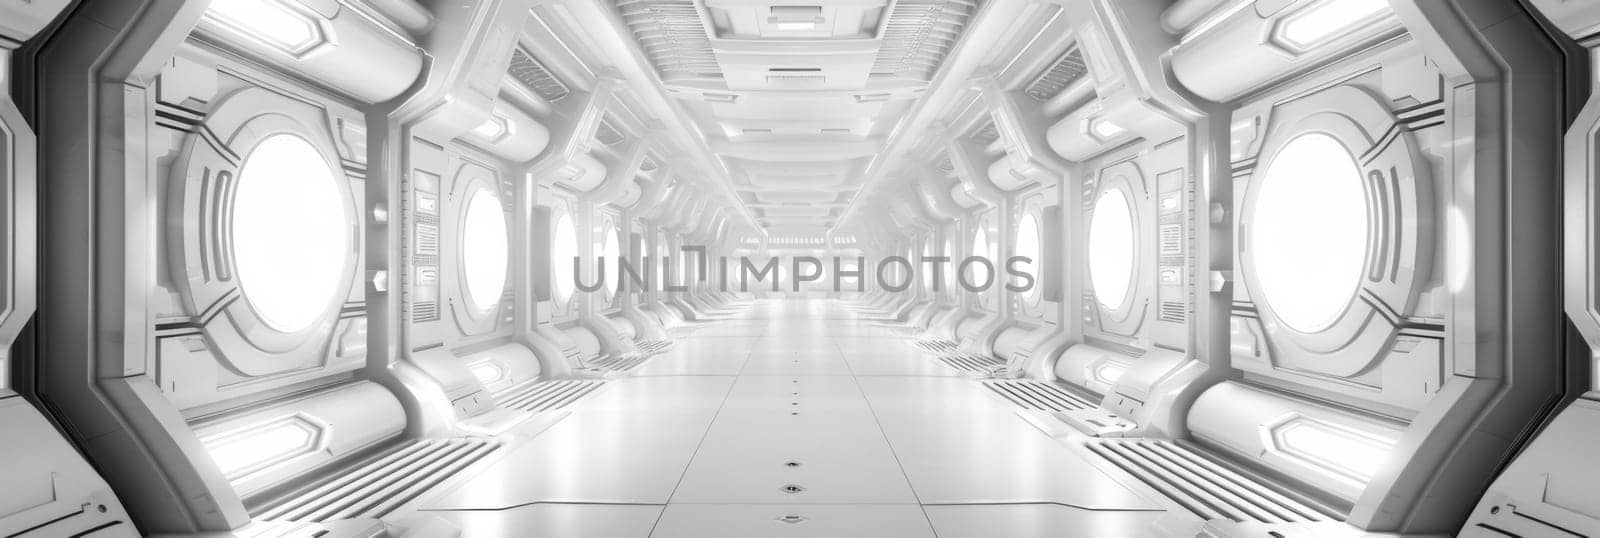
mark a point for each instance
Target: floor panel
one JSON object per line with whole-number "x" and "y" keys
{"x": 792, "y": 521}
{"x": 790, "y": 421}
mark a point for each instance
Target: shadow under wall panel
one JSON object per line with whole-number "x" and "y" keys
{"x": 208, "y": 116}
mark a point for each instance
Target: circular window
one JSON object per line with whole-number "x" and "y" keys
{"x": 1111, "y": 242}
{"x": 950, "y": 284}
{"x": 1029, "y": 246}
{"x": 484, "y": 249}
{"x": 611, "y": 252}
{"x": 1308, "y": 232}
{"x": 976, "y": 272}
{"x": 291, "y": 232}
{"x": 563, "y": 249}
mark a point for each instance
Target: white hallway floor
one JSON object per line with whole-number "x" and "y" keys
{"x": 797, "y": 418}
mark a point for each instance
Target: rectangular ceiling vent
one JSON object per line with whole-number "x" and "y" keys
{"x": 757, "y": 131}
{"x": 608, "y": 134}
{"x": 835, "y": 131}
{"x": 728, "y": 98}
{"x": 1067, "y": 70}
{"x": 872, "y": 97}
{"x": 918, "y": 36}
{"x": 533, "y": 74}
{"x": 671, "y": 34}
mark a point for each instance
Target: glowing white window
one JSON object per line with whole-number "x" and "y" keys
{"x": 1107, "y": 372}
{"x": 1111, "y": 248}
{"x": 1308, "y": 232}
{"x": 493, "y": 129}
{"x": 1105, "y": 129}
{"x": 927, "y": 275}
{"x": 611, "y": 252}
{"x": 950, "y": 283}
{"x": 976, "y": 272}
{"x": 1344, "y": 451}
{"x": 488, "y": 372}
{"x": 1028, "y": 246}
{"x": 291, "y": 233}
{"x": 485, "y": 249}
{"x": 563, "y": 249}
{"x": 1328, "y": 19}
{"x": 244, "y": 451}
{"x": 270, "y": 21}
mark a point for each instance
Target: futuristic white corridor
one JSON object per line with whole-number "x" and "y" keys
{"x": 880, "y": 439}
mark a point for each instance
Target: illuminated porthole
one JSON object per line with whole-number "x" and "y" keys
{"x": 484, "y": 249}
{"x": 611, "y": 252}
{"x": 1028, "y": 246}
{"x": 977, "y": 273}
{"x": 291, "y": 233}
{"x": 563, "y": 248}
{"x": 1308, "y": 232}
{"x": 1111, "y": 248}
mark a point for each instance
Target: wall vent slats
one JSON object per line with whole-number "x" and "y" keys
{"x": 1202, "y": 485}
{"x": 1038, "y": 395}
{"x": 376, "y": 486}
{"x": 529, "y": 72}
{"x": 1067, "y": 70}
{"x": 544, "y": 396}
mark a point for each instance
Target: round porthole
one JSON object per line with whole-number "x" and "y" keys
{"x": 1308, "y": 232}
{"x": 291, "y": 233}
{"x": 950, "y": 284}
{"x": 563, "y": 249}
{"x": 611, "y": 252}
{"x": 976, "y": 273}
{"x": 1028, "y": 246}
{"x": 1111, "y": 248}
{"x": 484, "y": 249}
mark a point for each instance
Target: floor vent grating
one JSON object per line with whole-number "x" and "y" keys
{"x": 977, "y": 364}
{"x": 547, "y": 395}
{"x": 1203, "y": 485}
{"x": 379, "y": 484}
{"x": 620, "y": 364}
{"x": 1038, "y": 395}
{"x": 936, "y": 346}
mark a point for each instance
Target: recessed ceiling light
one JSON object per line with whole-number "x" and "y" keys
{"x": 797, "y": 26}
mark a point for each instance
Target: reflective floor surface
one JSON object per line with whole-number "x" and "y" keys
{"x": 796, "y": 418}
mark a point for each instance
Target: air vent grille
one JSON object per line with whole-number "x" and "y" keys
{"x": 649, "y": 163}
{"x": 621, "y": 363}
{"x": 1173, "y": 312}
{"x": 533, "y": 74}
{"x": 378, "y": 485}
{"x": 1068, "y": 69}
{"x": 946, "y": 165}
{"x": 425, "y": 312}
{"x": 1202, "y": 484}
{"x": 1038, "y": 395}
{"x": 671, "y": 34}
{"x": 977, "y": 364}
{"x": 547, "y": 395}
{"x": 918, "y": 36}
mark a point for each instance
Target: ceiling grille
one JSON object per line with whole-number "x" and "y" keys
{"x": 918, "y": 36}
{"x": 671, "y": 34}
{"x": 532, "y": 74}
{"x": 1068, "y": 69}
